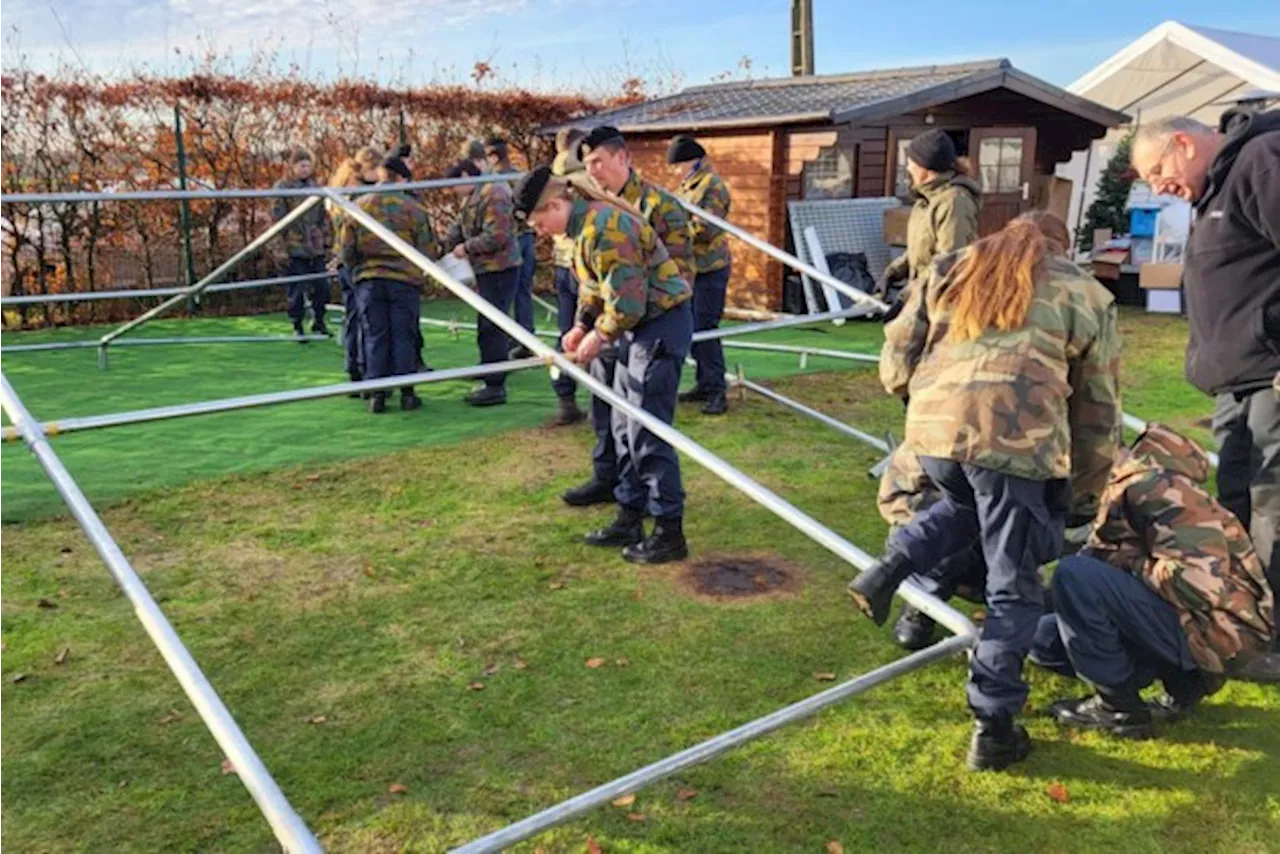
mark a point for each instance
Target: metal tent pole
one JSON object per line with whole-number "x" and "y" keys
{"x": 288, "y": 827}
{"x": 803, "y": 351}
{"x": 142, "y": 293}
{"x": 182, "y": 410}
{"x": 576, "y": 806}
{"x": 273, "y": 193}
{"x": 222, "y": 269}
{"x": 764, "y": 391}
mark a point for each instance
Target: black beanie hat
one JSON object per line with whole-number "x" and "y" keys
{"x": 529, "y": 189}
{"x": 396, "y": 166}
{"x": 461, "y": 169}
{"x": 683, "y": 149}
{"x": 597, "y": 138}
{"x": 933, "y": 150}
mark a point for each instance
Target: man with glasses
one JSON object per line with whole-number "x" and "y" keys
{"x": 1232, "y": 283}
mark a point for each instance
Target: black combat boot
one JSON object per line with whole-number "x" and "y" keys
{"x": 997, "y": 743}
{"x": 914, "y": 629}
{"x": 697, "y": 394}
{"x": 872, "y": 591}
{"x": 1183, "y": 691}
{"x": 717, "y": 404}
{"x": 1263, "y": 668}
{"x": 568, "y": 413}
{"x": 487, "y": 395}
{"x": 318, "y": 328}
{"x": 378, "y": 402}
{"x": 355, "y": 378}
{"x": 594, "y": 491}
{"x": 409, "y": 399}
{"x": 625, "y": 530}
{"x": 664, "y": 545}
{"x": 300, "y": 333}
{"x": 1117, "y": 711}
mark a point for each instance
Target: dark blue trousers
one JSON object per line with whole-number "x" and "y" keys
{"x": 500, "y": 289}
{"x": 567, "y": 305}
{"x": 1019, "y": 524}
{"x": 352, "y": 345}
{"x": 317, "y": 290}
{"x": 389, "y": 313}
{"x": 1110, "y": 628}
{"x": 966, "y": 569}
{"x": 524, "y": 285}
{"x": 708, "y": 307}
{"x": 650, "y": 359}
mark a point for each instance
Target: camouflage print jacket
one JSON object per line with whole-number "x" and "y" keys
{"x": 666, "y": 217}
{"x": 1041, "y": 402}
{"x": 486, "y": 225}
{"x": 308, "y": 236}
{"x": 1158, "y": 522}
{"x": 905, "y": 489}
{"x": 625, "y": 276}
{"x": 944, "y": 219}
{"x": 703, "y": 188}
{"x": 367, "y": 256}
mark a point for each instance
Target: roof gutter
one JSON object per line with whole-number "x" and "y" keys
{"x": 695, "y": 126}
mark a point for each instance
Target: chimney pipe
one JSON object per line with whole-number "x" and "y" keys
{"x": 801, "y": 37}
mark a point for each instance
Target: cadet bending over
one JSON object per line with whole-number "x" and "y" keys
{"x": 631, "y": 296}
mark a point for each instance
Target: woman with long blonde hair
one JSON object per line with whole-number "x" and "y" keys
{"x": 1008, "y": 355}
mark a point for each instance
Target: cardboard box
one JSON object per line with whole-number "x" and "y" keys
{"x": 895, "y": 225}
{"x": 1101, "y": 237}
{"x": 1160, "y": 276}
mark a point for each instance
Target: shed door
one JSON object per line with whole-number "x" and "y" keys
{"x": 1003, "y": 161}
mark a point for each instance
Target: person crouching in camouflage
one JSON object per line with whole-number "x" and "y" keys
{"x": 631, "y": 295}
{"x": 386, "y": 283}
{"x": 1168, "y": 586}
{"x": 1009, "y": 353}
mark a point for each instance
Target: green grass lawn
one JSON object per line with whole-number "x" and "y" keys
{"x": 367, "y": 574}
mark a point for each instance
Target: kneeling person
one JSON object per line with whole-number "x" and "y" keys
{"x": 1167, "y": 587}
{"x": 630, "y": 293}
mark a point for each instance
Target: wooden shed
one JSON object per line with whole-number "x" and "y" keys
{"x": 842, "y": 136}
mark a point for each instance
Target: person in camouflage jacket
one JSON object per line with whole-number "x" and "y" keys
{"x": 607, "y": 162}
{"x": 566, "y": 164}
{"x": 1168, "y": 586}
{"x": 1010, "y": 355}
{"x": 702, "y": 187}
{"x": 485, "y": 233}
{"x": 306, "y": 245}
{"x": 387, "y": 285}
{"x": 630, "y": 294}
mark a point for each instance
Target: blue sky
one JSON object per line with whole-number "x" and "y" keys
{"x": 596, "y": 43}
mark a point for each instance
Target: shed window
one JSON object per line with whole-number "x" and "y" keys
{"x": 1000, "y": 161}
{"x": 829, "y": 176}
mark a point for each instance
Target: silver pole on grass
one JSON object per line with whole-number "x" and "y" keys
{"x": 183, "y": 410}
{"x": 636, "y": 780}
{"x": 288, "y": 827}
{"x": 274, "y": 193}
{"x": 93, "y": 296}
{"x": 786, "y": 258}
{"x": 803, "y": 351}
{"x": 810, "y": 527}
{"x": 222, "y": 269}
{"x": 151, "y": 342}
{"x": 764, "y": 391}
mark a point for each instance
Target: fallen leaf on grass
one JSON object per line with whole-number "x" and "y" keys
{"x": 624, "y": 801}
{"x": 834, "y": 847}
{"x": 19, "y": 677}
{"x": 979, "y": 615}
{"x": 623, "y": 662}
{"x": 1058, "y": 792}
{"x": 317, "y": 719}
{"x": 636, "y": 816}
{"x": 46, "y": 603}
{"x": 61, "y": 657}
{"x": 122, "y": 784}
{"x": 397, "y": 788}
{"x": 685, "y": 794}
{"x": 172, "y": 716}
{"x": 64, "y": 593}
{"x": 555, "y": 585}
{"x": 312, "y": 478}
{"x": 476, "y": 686}
{"x": 595, "y": 663}
{"x": 427, "y": 523}
{"x": 491, "y": 669}
{"x": 227, "y": 767}
{"x": 825, "y": 677}
{"x": 593, "y": 847}
{"x": 521, "y": 664}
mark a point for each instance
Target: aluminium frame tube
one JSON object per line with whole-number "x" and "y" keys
{"x": 847, "y": 355}
{"x": 144, "y": 293}
{"x": 287, "y": 825}
{"x": 764, "y": 391}
{"x": 146, "y": 342}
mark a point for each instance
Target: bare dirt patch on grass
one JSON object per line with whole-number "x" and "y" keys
{"x": 736, "y": 577}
